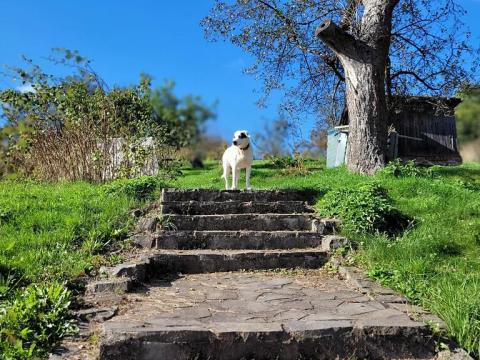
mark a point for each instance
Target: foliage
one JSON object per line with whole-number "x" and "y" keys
{"x": 399, "y": 169}
{"x": 282, "y": 162}
{"x": 140, "y": 188}
{"x": 429, "y": 52}
{"x": 365, "y": 209}
{"x": 183, "y": 118}
{"x": 77, "y": 128}
{"x": 290, "y": 165}
{"x": 413, "y": 287}
{"x": 458, "y": 303}
{"x": 56, "y": 231}
{"x": 468, "y": 115}
{"x": 35, "y": 321}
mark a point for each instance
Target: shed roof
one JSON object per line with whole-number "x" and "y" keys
{"x": 434, "y": 105}
{"x": 425, "y": 104}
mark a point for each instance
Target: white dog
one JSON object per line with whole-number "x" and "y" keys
{"x": 236, "y": 157}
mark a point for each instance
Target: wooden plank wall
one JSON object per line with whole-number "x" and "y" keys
{"x": 437, "y": 132}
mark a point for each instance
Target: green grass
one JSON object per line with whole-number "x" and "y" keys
{"x": 52, "y": 233}
{"x": 435, "y": 264}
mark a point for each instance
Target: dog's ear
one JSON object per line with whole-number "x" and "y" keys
{"x": 246, "y": 133}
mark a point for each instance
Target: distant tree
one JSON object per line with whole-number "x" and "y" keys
{"x": 184, "y": 118}
{"x": 274, "y": 139}
{"x": 364, "y": 52}
{"x": 316, "y": 145}
{"x": 468, "y": 115}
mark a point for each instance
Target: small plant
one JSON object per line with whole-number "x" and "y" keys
{"x": 8, "y": 283}
{"x": 366, "y": 209}
{"x": 34, "y": 322}
{"x": 140, "y": 188}
{"x": 399, "y": 169}
{"x": 165, "y": 222}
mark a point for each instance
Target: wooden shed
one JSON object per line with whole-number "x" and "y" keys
{"x": 421, "y": 129}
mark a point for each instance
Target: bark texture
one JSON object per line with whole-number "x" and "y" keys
{"x": 364, "y": 60}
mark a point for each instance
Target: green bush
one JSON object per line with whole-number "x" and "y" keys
{"x": 365, "y": 209}
{"x": 399, "y": 169}
{"x": 140, "y": 188}
{"x": 283, "y": 162}
{"x": 35, "y": 321}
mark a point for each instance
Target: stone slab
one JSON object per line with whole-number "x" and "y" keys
{"x": 237, "y": 240}
{"x": 169, "y": 195}
{"x": 250, "y": 222}
{"x": 206, "y": 261}
{"x": 115, "y": 285}
{"x": 234, "y": 207}
{"x": 260, "y": 315}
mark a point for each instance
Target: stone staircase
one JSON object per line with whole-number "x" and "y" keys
{"x": 210, "y": 230}
{"x": 212, "y": 288}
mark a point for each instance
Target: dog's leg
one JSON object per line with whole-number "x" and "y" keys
{"x": 248, "y": 170}
{"x": 226, "y": 174}
{"x": 235, "y": 176}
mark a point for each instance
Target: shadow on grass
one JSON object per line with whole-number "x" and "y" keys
{"x": 396, "y": 223}
{"x": 465, "y": 172}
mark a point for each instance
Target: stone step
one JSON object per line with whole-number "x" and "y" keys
{"x": 245, "y": 315}
{"x": 208, "y": 261}
{"x": 252, "y": 222}
{"x": 169, "y": 195}
{"x": 234, "y": 207}
{"x": 241, "y": 240}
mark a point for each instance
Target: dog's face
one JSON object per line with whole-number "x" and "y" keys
{"x": 241, "y": 138}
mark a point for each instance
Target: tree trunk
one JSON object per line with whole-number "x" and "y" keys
{"x": 364, "y": 61}
{"x": 367, "y": 112}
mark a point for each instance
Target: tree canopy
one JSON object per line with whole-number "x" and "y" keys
{"x": 430, "y": 51}
{"x": 468, "y": 115}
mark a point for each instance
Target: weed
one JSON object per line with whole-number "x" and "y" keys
{"x": 35, "y": 321}
{"x": 365, "y": 209}
{"x": 166, "y": 223}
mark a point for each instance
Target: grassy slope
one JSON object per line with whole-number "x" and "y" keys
{"x": 436, "y": 264}
{"x": 51, "y": 232}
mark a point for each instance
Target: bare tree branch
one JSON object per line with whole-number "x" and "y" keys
{"x": 416, "y": 76}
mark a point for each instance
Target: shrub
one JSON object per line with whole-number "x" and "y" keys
{"x": 283, "y": 162}
{"x": 33, "y": 323}
{"x": 290, "y": 165}
{"x": 366, "y": 209}
{"x": 399, "y": 169}
{"x": 140, "y": 188}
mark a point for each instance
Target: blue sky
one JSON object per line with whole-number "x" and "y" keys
{"x": 162, "y": 38}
